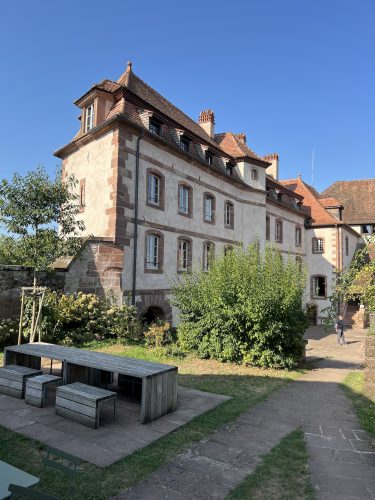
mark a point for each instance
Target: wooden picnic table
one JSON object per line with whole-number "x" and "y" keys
{"x": 156, "y": 382}
{"x": 12, "y": 475}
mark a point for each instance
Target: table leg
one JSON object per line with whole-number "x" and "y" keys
{"x": 114, "y": 409}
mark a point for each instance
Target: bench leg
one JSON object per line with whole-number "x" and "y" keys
{"x": 114, "y": 409}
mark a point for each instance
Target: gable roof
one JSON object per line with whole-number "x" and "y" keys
{"x": 330, "y": 203}
{"x": 358, "y": 198}
{"x": 312, "y": 205}
{"x": 236, "y": 147}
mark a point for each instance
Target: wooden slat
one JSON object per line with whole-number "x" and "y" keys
{"x": 34, "y": 401}
{"x": 13, "y": 384}
{"x": 76, "y": 407}
{"x": 35, "y": 393}
{"x": 77, "y": 417}
{"x": 15, "y": 393}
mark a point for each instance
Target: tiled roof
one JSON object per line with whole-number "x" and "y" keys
{"x": 312, "y": 206}
{"x": 358, "y": 198}
{"x": 235, "y": 146}
{"x": 330, "y": 202}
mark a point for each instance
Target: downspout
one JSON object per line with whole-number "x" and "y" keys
{"x": 135, "y": 244}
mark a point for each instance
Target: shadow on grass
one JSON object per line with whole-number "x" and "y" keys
{"x": 363, "y": 404}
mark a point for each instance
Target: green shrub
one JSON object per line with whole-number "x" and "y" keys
{"x": 158, "y": 334}
{"x": 121, "y": 322}
{"x": 247, "y": 308}
{"x": 8, "y": 331}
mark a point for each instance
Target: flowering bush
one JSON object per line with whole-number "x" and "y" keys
{"x": 158, "y": 334}
{"x": 8, "y": 331}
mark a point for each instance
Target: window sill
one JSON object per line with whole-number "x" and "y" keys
{"x": 228, "y": 227}
{"x": 318, "y": 298}
{"x": 185, "y": 215}
{"x": 153, "y": 205}
{"x": 153, "y": 271}
{"x": 212, "y": 222}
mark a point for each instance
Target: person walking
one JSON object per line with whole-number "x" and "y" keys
{"x": 339, "y": 327}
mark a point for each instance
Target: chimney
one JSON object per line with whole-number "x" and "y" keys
{"x": 207, "y": 121}
{"x": 273, "y": 169}
{"x": 241, "y": 137}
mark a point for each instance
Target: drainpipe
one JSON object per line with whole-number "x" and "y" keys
{"x": 135, "y": 245}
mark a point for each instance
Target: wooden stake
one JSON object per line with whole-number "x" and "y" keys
{"x": 21, "y": 318}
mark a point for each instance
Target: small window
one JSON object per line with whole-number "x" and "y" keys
{"x": 208, "y": 255}
{"x": 152, "y": 251}
{"x": 318, "y": 245}
{"x": 268, "y": 227}
{"x": 209, "y": 158}
{"x": 319, "y": 287}
{"x": 185, "y": 144}
{"x": 346, "y": 245}
{"x": 208, "y": 208}
{"x": 89, "y": 118}
{"x": 254, "y": 174}
{"x": 298, "y": 236}
{"x": 229, "y": 169}
{"x": 229, "y": 215}
{"x": 278, "y": 231}
{"x": 184, "y": 199}
{"x": 155, "y": 127}
{"x": 184, "y": 255}
{"x": 366, "y": 229}
{"x": 82, "y": 193}
{"x": 153, "y": 189}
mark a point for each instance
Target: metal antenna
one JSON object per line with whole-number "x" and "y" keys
{"x": 312, "y": 167}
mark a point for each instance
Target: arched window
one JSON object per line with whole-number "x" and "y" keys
{"x": 185, "y": 199}
{"x": 208, "y": 254}
{"x": 155, "y": 189}
{"x": 154, "y": 251}
{"x": 208, "y": 208}
{"x": 184, "y": 254}
{"x": 279, "y": 230}
{"x": 229, "y": 215}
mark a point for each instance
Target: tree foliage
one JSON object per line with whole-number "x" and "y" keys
{"x": 31, "y": 208}
{"x": 246, "y": 308}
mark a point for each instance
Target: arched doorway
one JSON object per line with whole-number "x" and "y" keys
{"x": 153, "y": 314}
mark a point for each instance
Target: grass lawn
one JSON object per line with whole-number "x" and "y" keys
{"x": 282, "y": 475}
{"x": 363, "y": 404}
{"x": 247, "y": 386}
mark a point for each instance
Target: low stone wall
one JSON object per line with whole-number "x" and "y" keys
{"x": 13, "y": 278}
{"x": 370, "y": 365}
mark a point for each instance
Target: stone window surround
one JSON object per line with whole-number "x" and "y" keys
{"x": 268, "y": 227}
{"x": 298, "y": 229}
{"x": 312, "y": 291}
{"x": 190, "y": 199}
{"x": 212, "y": 255}
{"x": 228, "y": 203}
{"x": 190, "y": 254}
{"x": 280, "y": 238}
{"x": 207, "y": 194}
{"x": 160, "y": 235}
{"x": 314, "y": 239}
{"x": 153, "y": 171}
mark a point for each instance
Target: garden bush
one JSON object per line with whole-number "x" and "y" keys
{"x": 158, "y": 334}
{"x": 247, "y": 308}
{"x": 8, "y": 331}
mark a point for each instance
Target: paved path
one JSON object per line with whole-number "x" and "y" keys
{"x": 342, "y": 457}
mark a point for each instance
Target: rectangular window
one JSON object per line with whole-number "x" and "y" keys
{"x": 208, "y": 208}
{"x": 183, "y": 255}
{"x": 184, "y": 199}
{"x": 278, "y": 231}
{"x": 254, "y": 174}
{"x": 318, "y": 245}
{"x": 184, "y": 144}
{"x": 319, "y": 286}
{"x": 152, "y": 257}
{"x": 208, "y": 255}
{"x": 346, "y": 245}
{"x": 229, "y": 169}
{"x": 229, "y": 215}
{"x": 89, "y": 118}
{"x": 209, "y": 158}
{"x": 155, "y": 127}
{"x": 298, "y": 236}
{"x": 268, "y": 228}
{"x": 153, "y": 191}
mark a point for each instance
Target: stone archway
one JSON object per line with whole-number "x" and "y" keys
{"x": 155, "y": 303}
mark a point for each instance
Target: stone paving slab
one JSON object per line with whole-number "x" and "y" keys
{"x": 112, "y": 440}
{"x": 341, "y": 461}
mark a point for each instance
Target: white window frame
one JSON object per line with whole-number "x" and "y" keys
{"x": 153, "y": 189}
{"x": 183, "y": 199}
{"x": 152, "y": 251}
{"x": 316, "y": 287}
{"x": 278, "y": 231}
{"x": 208, "y": 208}
{"x": 298, "y": 237}
{"x": 183, "y": 255}
{"x": 318, "y": 245}
{"x": 229, "y": 214}
{"x": 89, "y": 117}
{"x": 208, "y": 250}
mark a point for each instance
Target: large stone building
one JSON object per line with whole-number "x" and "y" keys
{"x": 161, "y": 193}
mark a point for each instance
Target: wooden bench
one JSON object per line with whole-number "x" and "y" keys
{"x": 36, "y": 389}
{"x": 81, "y": 402}
{"x": 13, "y": 379}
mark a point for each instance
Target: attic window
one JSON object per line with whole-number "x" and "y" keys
{"x": 154, "y": 127}
{"x": 254, "y": 174}
{"x": 184, "y": 144}
{"x": 209, "y": 158}
{"x": 230, "y": 169}
{"x": 89, "y": 114}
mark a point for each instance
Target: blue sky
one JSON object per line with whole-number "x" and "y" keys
{"x": 294, "y": 75}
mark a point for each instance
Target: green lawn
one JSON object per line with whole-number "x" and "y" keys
{"x": 247, "y": 386}
{"x": 363, "y": 404}
{"x": 282, "y": 475}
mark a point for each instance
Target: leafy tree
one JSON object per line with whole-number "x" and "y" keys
{"x": 246, "y": 308}
{"x": 31, "y": 208}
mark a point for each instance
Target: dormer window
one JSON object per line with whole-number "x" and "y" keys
{"x": 209, "y": 158}
{"x": 185, "y": 144}
{"x": 154, "y": 127}
{"x": 229, "y": 169}
{"x": 89, "y": 122}
{"x": 254, "y": 174}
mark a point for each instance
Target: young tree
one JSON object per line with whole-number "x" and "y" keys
{"x": 40, "y": 216}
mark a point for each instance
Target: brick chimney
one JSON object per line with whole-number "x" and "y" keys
{"x": 273, "y": 169}
{"x": 207, "y": 121}
{"x": 241, "y": 137}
